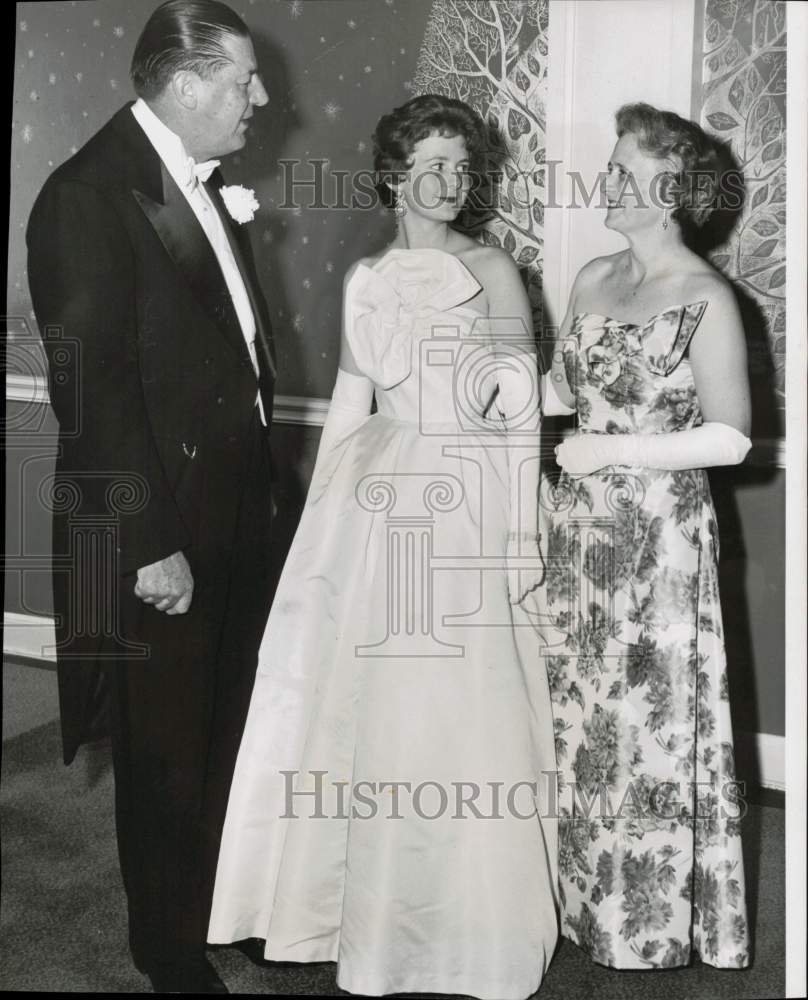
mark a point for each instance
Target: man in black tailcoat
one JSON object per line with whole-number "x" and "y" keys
{"x": 161, "y": 376}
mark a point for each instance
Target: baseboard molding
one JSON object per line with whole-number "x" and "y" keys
{"x": 308, "y": 410}
{"x": 311, "y": 411}
{"x": 766, "y": 755}
{"x": 32, "y": 637}
{"x": 28, "y": 636}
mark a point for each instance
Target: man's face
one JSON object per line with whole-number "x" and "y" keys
{"x": 225, "y": 101}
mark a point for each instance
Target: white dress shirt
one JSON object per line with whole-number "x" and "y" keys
{"x": 180, "y": 165}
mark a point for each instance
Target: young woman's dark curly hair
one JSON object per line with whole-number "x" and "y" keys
{"x": 430, "y": 114}
{"x": 695, "y": 186}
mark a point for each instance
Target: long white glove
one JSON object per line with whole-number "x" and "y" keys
{"x": 702, "y": 447}
{"x": 551, "y": 404}
{"x": 349, "y": 409}
{"x": 518, "y": 405}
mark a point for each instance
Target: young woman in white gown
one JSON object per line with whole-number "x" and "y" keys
{"x": 388, "y": 809}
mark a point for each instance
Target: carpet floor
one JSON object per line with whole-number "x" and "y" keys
{"x": 63, "y": 915}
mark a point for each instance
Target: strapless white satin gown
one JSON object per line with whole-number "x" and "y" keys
{"x": 391, "y": 656}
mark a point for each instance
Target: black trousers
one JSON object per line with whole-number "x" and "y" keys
{"x": 176, "y": 721}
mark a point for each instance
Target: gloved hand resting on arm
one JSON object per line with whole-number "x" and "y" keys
{"x": 701, "y": 447}
{"x": 718, "y": 362}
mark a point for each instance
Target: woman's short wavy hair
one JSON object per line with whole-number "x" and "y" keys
{"x": 695, "y": 186}
{"x": 397, "y": 133}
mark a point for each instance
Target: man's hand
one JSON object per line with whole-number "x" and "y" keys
{"x": 167, "y": 584}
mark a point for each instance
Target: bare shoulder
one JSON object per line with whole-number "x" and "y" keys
{"x": 464, "y": 246}
{"x": 492, "y": 266}
{"x": 708, "y": 285}
{"x": 592, "y": 278}
{"x": 720, "y": 332}
{"x": 597, "y": 270}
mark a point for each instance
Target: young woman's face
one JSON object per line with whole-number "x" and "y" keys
{"x": 438, "y": 181}
{"x": 635, "y": 187}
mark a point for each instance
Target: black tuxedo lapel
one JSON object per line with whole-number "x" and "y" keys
{"x": 264, "y": 344}
{"x": 188, "y": 246}
{"x": 172, "y": 218}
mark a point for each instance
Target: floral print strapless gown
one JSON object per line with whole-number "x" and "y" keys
{"x": 650, "y": 864}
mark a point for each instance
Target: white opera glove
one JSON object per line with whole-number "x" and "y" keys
{"x": 349, "y": 409}
{"x": 518, "y": 405}
{"x": 703, "y": 447}
{"x": 551, "y": 404}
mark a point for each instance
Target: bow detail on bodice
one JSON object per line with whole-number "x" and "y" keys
{"x": 603, "y": 364}
{"x": 666, "y": 336}
{"x": 384, "y": 302}
{"x": 662, "y": 340}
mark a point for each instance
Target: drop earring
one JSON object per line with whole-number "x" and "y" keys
{"x": 665, "y": 218}
{"x": 400, "y": 206}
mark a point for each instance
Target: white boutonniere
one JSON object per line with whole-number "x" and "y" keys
{"x": 240, "y": 202}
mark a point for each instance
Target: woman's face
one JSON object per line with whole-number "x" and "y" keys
{"x": 635, "y": 187}
{"x": 438, "y": 181}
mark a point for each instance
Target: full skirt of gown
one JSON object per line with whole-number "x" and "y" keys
{"x": 650, "y": 865}
{"x": 386, "y": 807}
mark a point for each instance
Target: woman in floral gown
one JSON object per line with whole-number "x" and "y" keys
{"x": 652, "y": 357}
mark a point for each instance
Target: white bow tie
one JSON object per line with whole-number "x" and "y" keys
{"x": 197, "y": 172}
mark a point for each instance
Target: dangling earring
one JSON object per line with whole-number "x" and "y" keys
{"x": 400, "y": 206}
{"x": 665, "y": 218}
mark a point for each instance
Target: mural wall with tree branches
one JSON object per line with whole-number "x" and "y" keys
{"x": 493, "y": 55}
{"x": 743, "y": 103}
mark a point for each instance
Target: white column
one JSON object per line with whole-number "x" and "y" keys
{"x": 603, "y": 53}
